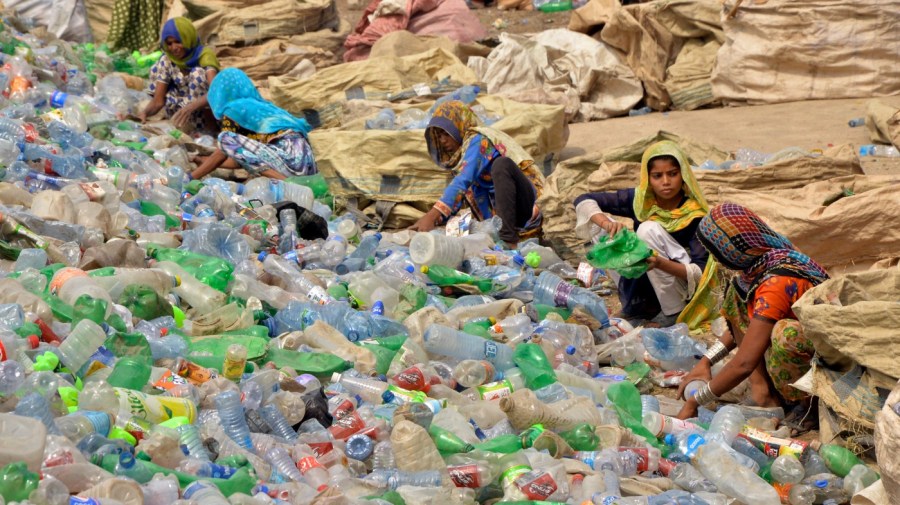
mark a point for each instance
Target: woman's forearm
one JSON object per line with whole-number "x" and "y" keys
{"x": 214, "y": 161}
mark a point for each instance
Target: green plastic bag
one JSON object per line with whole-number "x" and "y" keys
{"x": 625, "y": 253}
{"x": 313, "y": 363}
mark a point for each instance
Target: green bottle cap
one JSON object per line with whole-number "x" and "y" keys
{"x": 178, "y": 314}
{"x": 69, "y": 396}
{"x": 46, "y": 362}
{"x": 533, "y": 259}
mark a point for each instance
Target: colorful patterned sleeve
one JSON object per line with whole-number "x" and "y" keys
{"x": 472, "y": 164}
{"x": 775, "y": 296}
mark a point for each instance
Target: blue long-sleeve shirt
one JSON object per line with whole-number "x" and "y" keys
{"x": 473, "y": 180}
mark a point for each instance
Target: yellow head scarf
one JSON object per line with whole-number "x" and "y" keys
{"x": 645, "y": 207}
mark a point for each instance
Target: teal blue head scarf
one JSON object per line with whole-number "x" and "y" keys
{"x": 233, "y": 95}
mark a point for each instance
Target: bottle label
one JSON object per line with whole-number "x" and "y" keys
{"x": 31, "y": 133}
{"x": 773, "y": 446}
{"x": 465, "y": 476}
{"x": 220, "y": 471}
{"x": 346, "y": 421}
{"x": 169, "y": 380}
{"x": 321, "y": 448}
{"x": 155, "y": 409}
{"x": 490, "y": 349}
{"x": 195, "y": 374}
{"x": 538, "y": 489}
{"x": 3, "y": 353}
{"x": 59, "y": 459}
{"x": 563, "y": 291}
{"x": 307, "y": 463}
{"x": 495, "y": 390}
{"x": 58, "y": 99}
{"x": 93, "y": 191}
{"x": 233, "y": 369}
{"x": 585, "y": 274}
{"x": 99, "y": 420}
{"x": 411, "y": 378}
{"x": 77, "y": 500}
{"x": 63, "y": 276}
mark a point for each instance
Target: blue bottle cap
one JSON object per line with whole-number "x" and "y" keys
{"x": 387, "y": 396}
{"x": 378, "y": 308}
{"x": 262, "y": 256}
{"x": 570, "y": 350}
{"x": 240, "y": 189}
{"x": 670, "y": 439}
{"x": 519, "y": 259}
{"x": 378, "y": 235}
{"x": 411, "y": 269}
{"x": 359, "y": 447}
{"x": 821, "y": 483}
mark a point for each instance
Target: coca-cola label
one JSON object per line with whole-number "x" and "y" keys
{"x": 346, "y": 421}
{"x": 321, "y": 448}
{"x": 59, "y": 459}
{"x": 465, "y": 476}
{"x": 3, "y": 353}
{"x": 411, "y": 378}
{"x": 537, "y": 489}
{"x": 308, "y": 463}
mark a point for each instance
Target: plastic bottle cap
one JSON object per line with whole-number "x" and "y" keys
{"x": 387, "y": 396}
{"x": 519, "y": 259}
{"x": 378, "y": 308}
{"x": 33, "y": 341}
{"x": 240, "y": 189}
{"x": 378, "y": 235}
{"x": 424, "y": 269}
{"x": 335, "y": 377}
{"x": 262, "y": 256}
{"x": 669, "y": 439}
{"x": 177, "y": 280}
{"x": 821, "y": 483}
{"x": 178, "y": 315}
{"x": 533, "y": 259}
{"x": 570, "y": 350}
{"x": 410, "y": 268}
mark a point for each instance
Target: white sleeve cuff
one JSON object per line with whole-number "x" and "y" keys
{"x": 694, "y": 274}
{"x": 585, "y": 229}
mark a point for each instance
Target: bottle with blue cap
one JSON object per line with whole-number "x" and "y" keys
{"x": 357, "y": 260}
{"x": 359, "y": 447}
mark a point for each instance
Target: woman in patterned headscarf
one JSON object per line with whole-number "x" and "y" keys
{"x": 256, "y": 135}
{"x": 492, "y": 174}
{"x": 773, "y": 274}
{"x": 666, "y": 208}
{"x": 180, "y": 79}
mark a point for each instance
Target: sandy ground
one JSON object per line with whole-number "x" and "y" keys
{"x": 767, "y": 128}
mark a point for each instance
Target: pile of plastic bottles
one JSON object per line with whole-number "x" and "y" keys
{"x": 164, "y": 339}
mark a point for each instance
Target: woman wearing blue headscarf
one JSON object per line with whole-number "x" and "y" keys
{"x": 256, "y": 135}
{"x": 180, "y": 79}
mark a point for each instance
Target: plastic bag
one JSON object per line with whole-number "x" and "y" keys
{"x": 625, "y": 253}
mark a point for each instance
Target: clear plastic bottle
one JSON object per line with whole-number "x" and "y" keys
{"x": 392, "y": 479}
{"x": 671, "y": 344}
{"x": 235, "y": 362}
{"x": 436, "y": 249}
{"x": 726, "y": 424}
{"x": 456, "y": 344}
{"x": 84, "y": 422}
{"x": 82, "y": 342}
{"x": 204, "y": 493}
{"x": 731, "y": 478}
{"x": 551, "y": 290}
{"x": 472, "y": 373}
{"x": 36, "y": 406}
{"x": 879, "y": 150}
{"x": 690, "y": 479}
{"x": 859, "y": 478}
{"x": 313, "y": 472}
{"x": 281, "y": 460}
{"x": 189, "y": 436}
{"x": 384, "y": 120}
{"x": 277, "y": 423}
{"x": 787, "y": 469}
{"x": 231, "y": 416}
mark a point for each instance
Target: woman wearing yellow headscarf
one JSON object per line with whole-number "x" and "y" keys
{"x": 180, "y": 79}
{"x": 666, "y": 209}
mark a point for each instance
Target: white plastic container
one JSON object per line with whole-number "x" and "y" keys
{"x": 22, "y": 439}
{"x": 435, "y": 249}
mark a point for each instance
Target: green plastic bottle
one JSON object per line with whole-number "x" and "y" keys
{"x": 144, "y": 302}
{"x": 130, "y": 373}
{"x": 446, "y": 276}
{"x": 151, "y": 209}
{"x": 241, "y": 482}
{"x": 838, "y": 459}
{"x": 581, "y": 438}
{"x": 316, "y": 183}
{"x": 87, "y": 307}
{"x": 627, "y": 402}
{"x": 535, "y": 367}
{"x": 214, "y": 272}
{"x": 479, "y": 326}
{"x": 504, "y": 444}
{"x": 17, "y": 482}
{"x": 447, "y": 442}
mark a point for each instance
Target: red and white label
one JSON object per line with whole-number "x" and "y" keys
{"x": 538, "y": 489}
{"x": 465, "y": 476}
{"x": 321, "y": 448}
{"x": 412, "y": 378}
{"x": 307, "y": 463}
{"x": 346, "y": 421}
